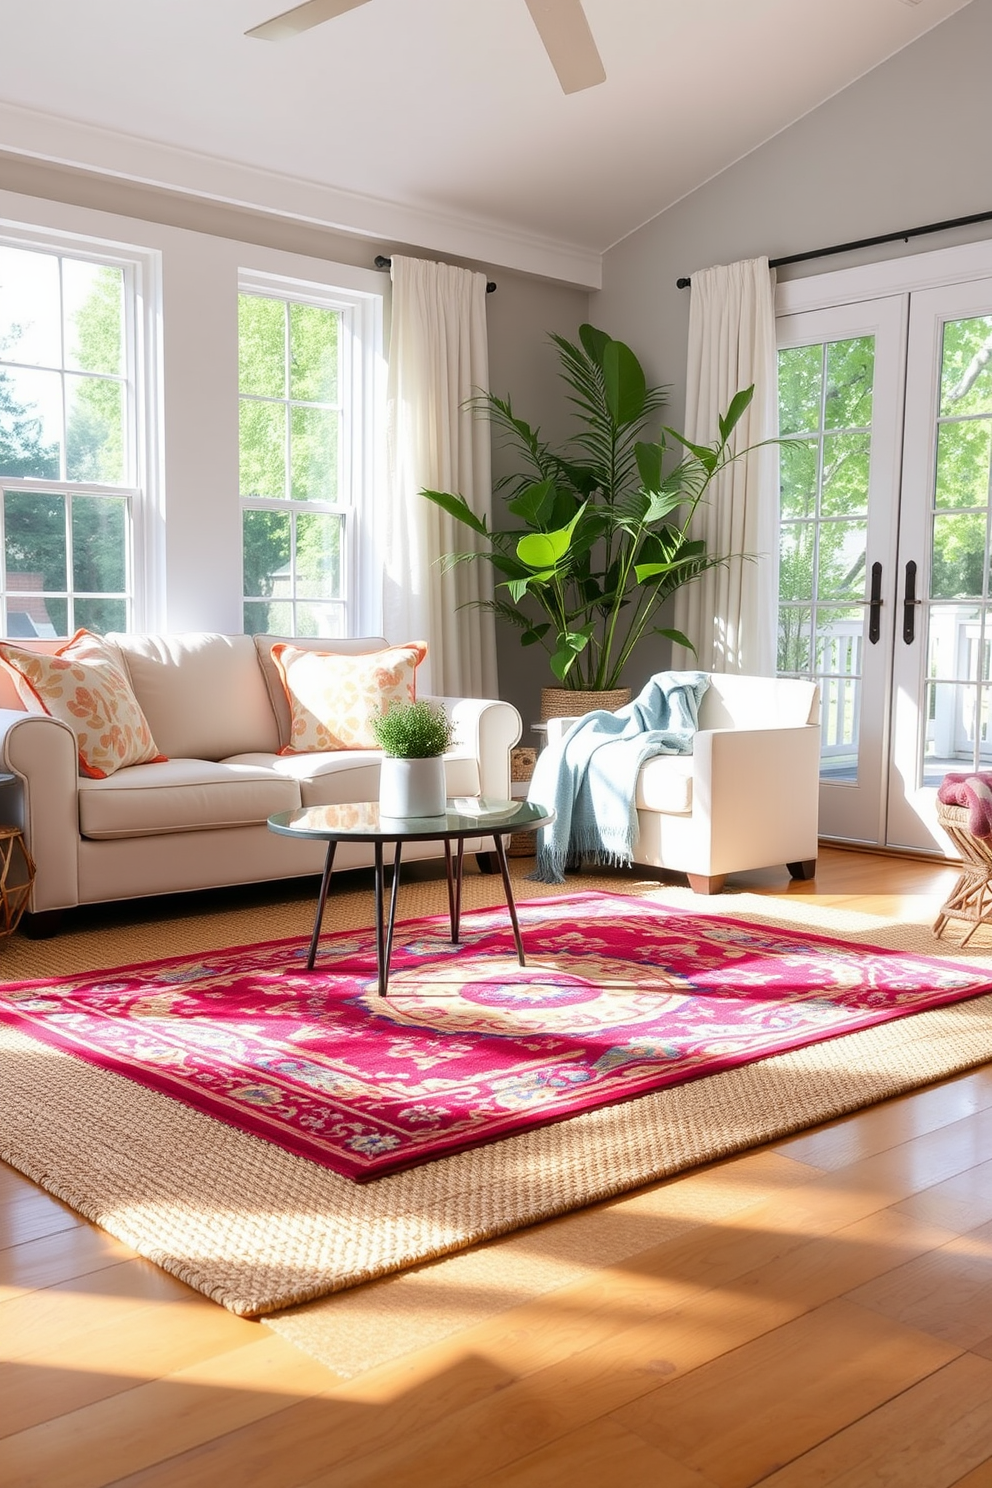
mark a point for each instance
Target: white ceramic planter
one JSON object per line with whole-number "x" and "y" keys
{"x": 412, "y": 787}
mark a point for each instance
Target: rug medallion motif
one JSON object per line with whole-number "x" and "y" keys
{"x": 620, "y": 997}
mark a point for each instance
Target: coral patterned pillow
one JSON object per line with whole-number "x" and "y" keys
{"x": 332, "y": 696}
{"x": 85, "y": 686}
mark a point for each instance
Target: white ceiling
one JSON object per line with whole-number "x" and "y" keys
{"x": 446, "y": 109}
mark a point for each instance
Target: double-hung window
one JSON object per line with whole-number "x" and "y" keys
{"x": 305, "y": 354}
{"x": 68, "y": 438}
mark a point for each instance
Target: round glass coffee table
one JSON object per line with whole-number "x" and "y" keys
{"x": 360, "y": 822}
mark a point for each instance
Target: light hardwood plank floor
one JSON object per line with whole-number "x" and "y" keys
{"x": 837, "y": 1331}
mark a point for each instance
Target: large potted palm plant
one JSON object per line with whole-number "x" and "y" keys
{"x": 597, "y": 533}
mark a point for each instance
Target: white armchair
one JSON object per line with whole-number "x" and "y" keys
{"x": 747, "y": 797}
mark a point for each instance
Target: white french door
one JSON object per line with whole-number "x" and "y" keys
{"x": 884, "y": 588}
{"x": 942, "y": 684}
{"x": 840, "y": 407}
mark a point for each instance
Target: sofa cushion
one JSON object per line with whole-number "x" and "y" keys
{"x": 332, "y": 697}
{"x": 351, "y": 646}
{"x": 353, "y": 774}
{"x": 85, "y": 684}
{"x": 183, "y": 795}
{"x": 664, "y": 784}
{"x": 203, "y": 694}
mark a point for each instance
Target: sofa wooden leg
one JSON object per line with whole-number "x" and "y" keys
{"x": 805, "y": 869}
{"x": 486, "y": 861}
{"x": 700, "y": 883}
{"x": 41, "y": 926}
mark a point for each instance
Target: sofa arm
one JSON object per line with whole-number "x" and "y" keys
{"x": 487, "y": 730}
{"x": 755, "y": 793}
{"x": 41, "y": 753}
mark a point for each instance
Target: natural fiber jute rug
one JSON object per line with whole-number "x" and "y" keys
{"x": 259, "y": 1229}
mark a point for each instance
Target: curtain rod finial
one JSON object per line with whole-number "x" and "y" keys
{"x": 682, "y": 283}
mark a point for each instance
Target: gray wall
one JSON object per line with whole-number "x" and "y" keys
{"x": 905, "y": 145}
{"x": 523, "y": 364}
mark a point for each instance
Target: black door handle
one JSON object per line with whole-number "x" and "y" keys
{"x": 875, "y": 604}
{"x": 909, "y": 603}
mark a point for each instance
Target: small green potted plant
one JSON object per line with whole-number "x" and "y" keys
{"x": 413, "y": 737}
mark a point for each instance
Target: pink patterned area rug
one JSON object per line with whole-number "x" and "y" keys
{"x": 620, "y": 997}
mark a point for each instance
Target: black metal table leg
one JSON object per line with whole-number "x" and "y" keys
{"x": 459, "y": 866}
{"x": 380, "y": 945}
{"x": 384, "y": 969}
{"x": 504, "y": 869}
{"x": 321, "y": 901}
{"x": 449, "y": 876}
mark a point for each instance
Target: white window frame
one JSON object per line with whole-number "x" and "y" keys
{"x": 143, "y": 379}
{"x": 359, "y": 393}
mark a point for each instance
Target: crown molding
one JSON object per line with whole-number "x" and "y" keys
{"x": 47, "y": 138}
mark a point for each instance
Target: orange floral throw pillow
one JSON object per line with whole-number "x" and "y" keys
{"x": 332, "y": 697}
{"x": 85, "y": 686}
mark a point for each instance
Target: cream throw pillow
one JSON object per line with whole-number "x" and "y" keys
{"x": 332, "y": 696}
{"x": 85, "y": 686}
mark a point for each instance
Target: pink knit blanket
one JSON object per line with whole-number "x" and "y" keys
{"x": 974, "y": 792}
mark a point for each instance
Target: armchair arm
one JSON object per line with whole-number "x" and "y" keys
{"x": 755, "y": 793}
{"x": 487, "y": 730}
{"x": 41, "y": 752}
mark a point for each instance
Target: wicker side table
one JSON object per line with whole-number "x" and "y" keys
{"x": 522, "y": 762}
{"x": 971, "y": 897}
{"x": 16, "y": 877}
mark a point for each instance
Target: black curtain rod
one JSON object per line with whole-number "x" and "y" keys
{"x": 893, "y": 237}
{"x": 382, "y": 262}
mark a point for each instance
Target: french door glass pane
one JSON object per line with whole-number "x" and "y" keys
{"x": 825, "y": 395}
{"x": 959, "y": 635}
{"x": 965, "y": 381}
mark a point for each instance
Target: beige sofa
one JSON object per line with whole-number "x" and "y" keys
{"x": 747, "y": 796}
{"x": 217, "y": 709}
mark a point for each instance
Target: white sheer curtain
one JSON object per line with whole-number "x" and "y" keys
{"x": 438, "y": 357}
{"x": 729, "y": 613}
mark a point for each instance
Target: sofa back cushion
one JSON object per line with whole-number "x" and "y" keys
{"x": 203, "y": 694}
{"x": 85, "y": 684}
{"x": 353, "y": 646}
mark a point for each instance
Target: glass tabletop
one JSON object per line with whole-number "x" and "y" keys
{"x": 360, "y": 821}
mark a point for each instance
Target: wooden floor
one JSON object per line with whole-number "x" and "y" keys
{"x": 837, "y": 1330}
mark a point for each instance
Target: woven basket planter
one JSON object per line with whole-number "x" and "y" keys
{"x": 567, "y": 702}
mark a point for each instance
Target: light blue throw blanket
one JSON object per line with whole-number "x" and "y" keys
{"x": 589, "y": 778}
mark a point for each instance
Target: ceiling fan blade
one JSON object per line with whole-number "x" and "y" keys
{"x": 569, "y": 43}
{"x": 301, "y": 18}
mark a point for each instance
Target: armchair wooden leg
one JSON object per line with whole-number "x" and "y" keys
{"x": 700, "y": 883}
{"x": 487, "y": 862}
{"x": 805, "y": 869}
